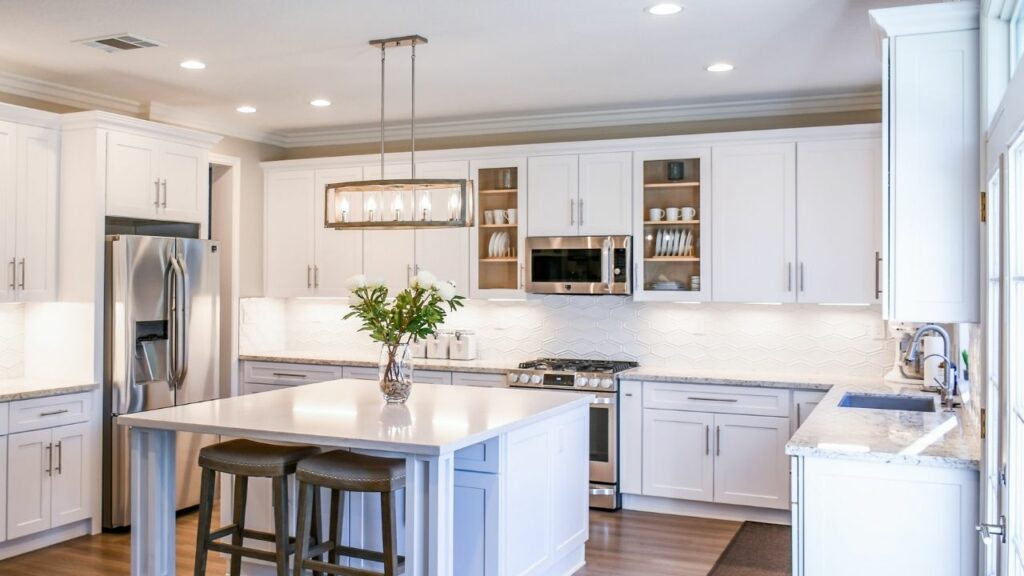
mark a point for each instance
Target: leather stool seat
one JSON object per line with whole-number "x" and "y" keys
{"x": 248, "y": 458}
{"x": 340, "y": 470}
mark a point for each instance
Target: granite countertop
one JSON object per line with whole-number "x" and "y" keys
{"x": 25, "y": 388}
{"x": 332, "y": 359}
{"x": 751, "y": 379}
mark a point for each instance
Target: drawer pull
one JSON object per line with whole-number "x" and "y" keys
{"x": 54, "y": 412}
{"x": 703, "y": 399}
{"x": 289, "y": 375}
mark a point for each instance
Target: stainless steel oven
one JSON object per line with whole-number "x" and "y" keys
{"x": 578, "y": 265}
{"x": 604, "y": 451}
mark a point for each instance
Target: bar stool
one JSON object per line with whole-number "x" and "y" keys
{"x": 341, "y": 472}
{"x": 245, "y": 459}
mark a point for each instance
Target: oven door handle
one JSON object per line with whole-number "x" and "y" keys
{"x": 602, "y": 401}
{"x": 602, "y": 492}
{"x": 606, "y": 264}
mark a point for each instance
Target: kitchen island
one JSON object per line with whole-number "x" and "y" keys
{"x": 534, "y": 443}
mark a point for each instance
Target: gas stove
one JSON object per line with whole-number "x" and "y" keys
{"x": 569, "y": 374}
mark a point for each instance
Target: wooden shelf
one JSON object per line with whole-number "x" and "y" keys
{"x": 499, "y": 225}
{"x": 673, "y": 259}
{"x": 498, "y": 260}
{"x": 500, "y": 191}
{"x": 671, "y": 223}
{"x": 672, "y": 185}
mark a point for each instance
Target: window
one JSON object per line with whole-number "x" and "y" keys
{"x": 1016, "y": 36}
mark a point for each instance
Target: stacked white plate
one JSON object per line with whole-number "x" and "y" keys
{"x": 673, "y": 243}
{"x": 500, "y": 245}
{"x": 666, "y": 285}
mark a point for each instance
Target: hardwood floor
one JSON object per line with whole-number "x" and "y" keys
{"x": 620, "y": 542}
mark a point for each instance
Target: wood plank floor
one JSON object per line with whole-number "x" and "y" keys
{"x": 620, "y": 543}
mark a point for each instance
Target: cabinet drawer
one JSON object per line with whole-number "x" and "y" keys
{"x": 281, "y": 374}
{"x": 719, "y": 399}
{"x": 482, "y": 457}
{"x": 361, "y": 372}
{"x": 431, "y": 377}
{"x": 467, "y": 379}
{"x": 3, "y": 417}
{"x": 251, "y": 388}
{"x": 49, "y": 412}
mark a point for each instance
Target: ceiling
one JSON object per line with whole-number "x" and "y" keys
{"x": 486, "y": 58}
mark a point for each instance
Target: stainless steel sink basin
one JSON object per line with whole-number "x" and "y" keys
{"x": 890, "y": 402}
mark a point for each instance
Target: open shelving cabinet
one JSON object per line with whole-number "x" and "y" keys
{"x": 500, "y": 186}
{"x": 655, "y": 190}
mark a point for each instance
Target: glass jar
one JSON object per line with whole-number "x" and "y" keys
{"x": 395, "y": 372}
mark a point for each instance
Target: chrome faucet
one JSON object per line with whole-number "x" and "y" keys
{"x": 946, "y": 388}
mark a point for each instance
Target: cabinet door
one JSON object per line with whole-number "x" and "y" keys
{"x": 553, "y": 194}
{"x": 837, "y": 220}
{"x": 631, "y": 444}
{"x": 490, "y": 279}
{"x": 476, "y": 524}
{"x": 753, "y": 229}
{"x": 3, "y": 485}
{"x": 28, "y": 479}
{"x": 444, "y": 252}
{"x": 185, "y": 182}
{"x": 8, "y": 211}
{"x": 804, "y": 402}
{"x": 388, "y": 255}
{"x": 288, "y": 239}
{"x": 751, "y": 466}
{"x": 677, "y": 459}
{"x": 933, "y": 203}
{"x": 339, "y": 253}
{"x": 133, "y": 180}
{"x": 36, "y": 244}
{"x": 72, "y": 478}
{"x": 605, "y": 199}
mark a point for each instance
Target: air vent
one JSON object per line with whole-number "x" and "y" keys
{"x": 120, "y": 42}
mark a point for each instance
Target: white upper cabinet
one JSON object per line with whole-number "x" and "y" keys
{"x": 838, "y": 234}
{"x": 930, "y": 122}
{"x": 753, "y": 232}
{"x": 500, "y": 185}
{"x": 444, "y": 251}
{"x": 580, "y": 194}
{"x": 152, "y": 178}
{"x": 28, "y": 211}
{"x": 389, "y": 255}
{"x": 339, "y": 253}
{"x": 605, "y": 202}
{"x": 289, "y": 240}
{"x": 553, "y": 194}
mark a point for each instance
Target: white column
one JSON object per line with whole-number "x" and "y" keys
{"x": 152, "y": 499}
{"x": 430, "y": 515}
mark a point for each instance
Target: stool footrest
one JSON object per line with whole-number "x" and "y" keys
{"x": 326, "y": 568}
{"x": 267, "y": 555}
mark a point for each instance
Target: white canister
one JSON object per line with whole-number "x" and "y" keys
{"x": 463, "y": 345}
{"x": 437, "y": 345}
{"x": 419, "y": 348}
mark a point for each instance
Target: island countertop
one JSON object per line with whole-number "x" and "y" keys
{"x": 437, "y": 419}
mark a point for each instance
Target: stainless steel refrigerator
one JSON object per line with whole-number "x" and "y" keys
{"x": 161, "y": 345}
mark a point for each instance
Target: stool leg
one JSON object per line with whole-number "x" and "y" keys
{"x": 389, "y": 522}
{"x": 280, "y": 492}
{"x": 316, "y": 532}
{"x": 205, "y": 517}
{"x": 302, "y": 527}
{"x": 337, "y": 518}
{"x": 238, "y": 518}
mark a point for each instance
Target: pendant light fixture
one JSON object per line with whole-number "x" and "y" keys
{"x": 404, "y": 202}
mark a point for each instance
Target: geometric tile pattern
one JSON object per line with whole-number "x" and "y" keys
{"x": 789, "y": 339}
{"x": 12, "y": 340}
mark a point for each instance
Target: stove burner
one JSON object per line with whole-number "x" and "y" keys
{"x": 575, "y": 365}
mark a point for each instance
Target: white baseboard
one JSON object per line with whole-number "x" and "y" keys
{"x": 705, "y": 509}
{"x": 26, "y": 544}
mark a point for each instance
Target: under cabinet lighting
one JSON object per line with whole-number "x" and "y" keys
{"x": 506, "y": 299}
{"x": 686, "y": 302}
{"x": 849, "y": 304}
{"x": 665, "y": 9}
{"x": 765, "y": 303}
{"x": 192, "y": 65}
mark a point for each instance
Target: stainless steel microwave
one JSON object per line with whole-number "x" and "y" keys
{"x": 579, "y": 265}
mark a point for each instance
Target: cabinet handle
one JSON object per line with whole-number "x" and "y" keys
{"x": 522, "y": 276}
{"x": 572, "y": 212}
{"x": 289, "y": 375}
{"x": 163, "y": 184}
{"x": 878, "y": 275}
{"x": 14, "y": 274}
{"x": 316, "y": 276}
{"x": 718, "y": 440}
{"x": 789, "y": 276}
{"x": 797, "y": 414}
{"x": 408, "y": 274}
{"x": 581, "y": 211}
{"x": 49, "y": 460}
{"x": 60, "y": 457}
{"x": 309, "y": 276}
{"x": 54, "y": 412}
{"x": 156, "y": 184}
{"x": 707, "y": 440}
{"x": 22, "y": 283}
{"x": 703, "y": 399}
{"x": 801, "y": 276}
{"x": 628, "y": 394}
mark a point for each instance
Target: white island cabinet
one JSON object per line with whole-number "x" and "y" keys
{"x": 531, "y": 445}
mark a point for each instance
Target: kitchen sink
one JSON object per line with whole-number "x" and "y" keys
{"x": 889, "y": 402}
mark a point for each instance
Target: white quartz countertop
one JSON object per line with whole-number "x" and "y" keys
{"x": 25, "y": 388}
{"x": 342, "y": 359}
{"x": 351, "y": 413}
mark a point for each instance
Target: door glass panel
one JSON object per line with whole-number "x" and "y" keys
{"x": 599, "y": 448}
{"x": 564, "y": 265}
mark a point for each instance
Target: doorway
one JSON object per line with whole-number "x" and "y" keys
{"x": 225, "y": 201}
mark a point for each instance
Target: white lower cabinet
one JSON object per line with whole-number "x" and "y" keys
{"x": 751, "y": 467}
{"x": 476, "y": 524}
{"x": 48, "y": 474}
{"x": 487, "y": 380}
{"x": 677, "y": 455}
{"x": 804, "y": 402}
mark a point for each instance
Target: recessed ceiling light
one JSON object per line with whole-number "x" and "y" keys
{"x": 246, "y": 109}
{"x": 719, "y": 67}
{"x": 192, "y": 65}
{"x": 320, "y": 102}
{"x": 665, "y": 9}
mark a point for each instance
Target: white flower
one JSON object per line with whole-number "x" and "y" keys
{"x": 445, "y": 289}
{"x": 424, "y": 280}
{"x": 355, "y": 282}
{"x": 378, "y": 283}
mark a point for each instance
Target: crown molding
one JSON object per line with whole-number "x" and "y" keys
{"x": 160, "y": 112}
{"x": 925, "y": 18}
{"x": 30, "y": 116}
{"x": 65, "y": 95}
{"x": 848, "y": 102}
{"x": 99, "y": 119}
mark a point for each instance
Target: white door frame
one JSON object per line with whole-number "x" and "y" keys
{"x": 235, "y": 164}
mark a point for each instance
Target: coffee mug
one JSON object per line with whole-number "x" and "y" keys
{"x": 512, "y": 215}
{"x": 657, "y": 214}
{"x": 672, "y": 214}
{"x": 488, "y": 216}
{"x": 689, "y": 213}
{"x": 499, "y": 216}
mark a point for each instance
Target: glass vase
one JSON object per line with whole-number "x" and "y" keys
{"x": 395, "y": 372}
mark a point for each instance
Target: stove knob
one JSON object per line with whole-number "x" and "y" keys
{"x": 581, "y": 382}
{"x": 512, "y": 377}
{"x": 535, "y": 379}
{"x": 524, "y": 378}
{"x": 606, "y": 383}
{"x": 595, "y": 382}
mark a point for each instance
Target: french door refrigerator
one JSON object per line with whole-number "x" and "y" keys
{"x": 161, "y": 345}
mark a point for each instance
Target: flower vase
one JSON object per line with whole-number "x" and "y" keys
{"x": 395, "y": 374}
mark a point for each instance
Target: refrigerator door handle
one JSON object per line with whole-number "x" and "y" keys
{"x": 182, "y": 320}
{"x": 172, "y": 323}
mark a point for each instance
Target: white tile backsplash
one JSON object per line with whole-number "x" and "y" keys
{"x": 12, "y": 340}
{"x": 789, "y": 339}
